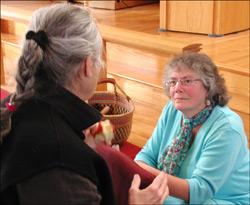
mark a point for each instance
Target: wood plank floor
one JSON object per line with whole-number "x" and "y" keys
{"x": 140, "y": 73}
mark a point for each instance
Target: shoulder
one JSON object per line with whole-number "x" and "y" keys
{"x": 226, "y": 118}
{"x": 224, "y": 125}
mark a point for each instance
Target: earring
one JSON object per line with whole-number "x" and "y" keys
{"x": 208, "y": 102}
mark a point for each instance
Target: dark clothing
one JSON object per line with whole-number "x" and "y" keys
{"x": 47, "y": 133}
{"x": 58, "y": 186}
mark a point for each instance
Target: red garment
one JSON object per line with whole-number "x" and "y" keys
{"x": 123, "y": 169}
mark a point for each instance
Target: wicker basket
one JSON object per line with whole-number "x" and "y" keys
{"x": 121, "y": 109}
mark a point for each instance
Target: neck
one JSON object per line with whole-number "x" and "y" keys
{"x": 191, "y": 114}
{"x": 76, "y": 90}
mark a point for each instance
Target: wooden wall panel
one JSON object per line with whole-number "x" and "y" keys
{"x": 189, "y": 16}
{"x": 230, "y": 16}
{"x": 206, "y": 17}
{"x": 113, "y": 4}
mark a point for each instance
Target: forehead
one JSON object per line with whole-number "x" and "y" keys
{"x": 182, "y": 73}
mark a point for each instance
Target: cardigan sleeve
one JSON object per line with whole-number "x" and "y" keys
{"x": 216, "y": 162}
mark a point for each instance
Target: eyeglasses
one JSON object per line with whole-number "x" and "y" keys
{"x": 184, "y": 82}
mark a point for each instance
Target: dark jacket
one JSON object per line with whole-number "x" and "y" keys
{"x": 47, "y": 133}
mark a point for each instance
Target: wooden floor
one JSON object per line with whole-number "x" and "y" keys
{"x": 140, "y": 73}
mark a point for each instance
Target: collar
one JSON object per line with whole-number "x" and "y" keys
{"x": 77, "y": 112}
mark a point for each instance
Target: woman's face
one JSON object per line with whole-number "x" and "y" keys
{"x": 190, "y": 99}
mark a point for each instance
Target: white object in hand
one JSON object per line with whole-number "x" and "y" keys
{"x": 105, "y": 131}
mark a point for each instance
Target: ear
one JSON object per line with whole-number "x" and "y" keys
{"x": 88, "y": 66}
{"x": 86, "y": 69}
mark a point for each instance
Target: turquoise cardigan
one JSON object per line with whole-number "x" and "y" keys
{"x": 216, "y": 165}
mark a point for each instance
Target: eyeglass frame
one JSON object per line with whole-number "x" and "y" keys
{"x": 168, "y": 83}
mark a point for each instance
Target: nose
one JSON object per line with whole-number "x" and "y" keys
{"x": 178, "y": 87}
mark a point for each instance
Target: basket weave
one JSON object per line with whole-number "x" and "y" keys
{"x": 121, "y": 109}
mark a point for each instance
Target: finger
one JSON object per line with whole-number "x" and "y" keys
{"x": 86, "y": 132}
{"x": 165, "y": 195}
{"x": 158, "y": 179}
{"x": 163, "y": 183}
{"x": 93, "y": 129}
{"x": 136, "y": 181}
{"x": 163, "y": 189}
{"x": 90, "y": 141}
{"x": 164, "y": 179}
{"x": 160, "y": 184}
{"x": 105, "y": 110}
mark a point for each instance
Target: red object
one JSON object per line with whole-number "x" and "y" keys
{"x": 11, "y": 107}
{"x": 122, "y": 169}
{"x": 4, "y": 93}
{"x": 99, "y": 129}
{"x": 129, "y": 149}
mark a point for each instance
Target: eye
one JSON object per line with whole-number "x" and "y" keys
{"x": 188, "y": 82}
{"x": 173, "y": 83}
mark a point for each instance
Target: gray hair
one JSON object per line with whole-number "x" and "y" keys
{"x": 204, "y": 67}
{"x": 72, "y": 37}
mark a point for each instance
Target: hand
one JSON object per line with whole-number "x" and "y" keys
{"x": 89, "y": 139}
{"x": 155, "y": 193}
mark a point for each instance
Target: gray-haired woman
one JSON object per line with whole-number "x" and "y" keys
{"x": 44, "y": 159}
{"x": 199, "y": 142}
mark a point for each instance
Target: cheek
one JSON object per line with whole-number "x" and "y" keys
{"x": 192, "y": 92}
{"x": 199, "y": 95}
{"x": 171, "y": 92}
{"x": 189, "y": 91}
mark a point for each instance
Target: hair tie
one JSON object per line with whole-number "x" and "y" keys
{"x": 39, "y": 37}
{"x": 10, "y": 107}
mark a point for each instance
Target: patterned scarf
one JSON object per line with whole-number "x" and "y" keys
{"x": 174, "y": 155}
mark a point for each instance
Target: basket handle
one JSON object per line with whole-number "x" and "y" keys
{"x": 106, "y": 80}
{"x": 113, "y": 81}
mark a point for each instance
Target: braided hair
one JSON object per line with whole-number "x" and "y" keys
{"x": 60, "y": 38}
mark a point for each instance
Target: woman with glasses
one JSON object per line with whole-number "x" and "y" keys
{"x": 198, "y": 142}
{"x": 44, "y": 156}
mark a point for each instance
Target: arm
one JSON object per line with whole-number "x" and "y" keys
{"x": 215, "y": 165}
{"x": 178, "y": 187}
{"x": 148, "y": 157}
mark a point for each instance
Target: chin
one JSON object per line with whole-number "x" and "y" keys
{"x": 179, "y": 107}
{"x": 179, "y": 104}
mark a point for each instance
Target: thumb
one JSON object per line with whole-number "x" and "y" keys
{"x": 105, "y": 110}
{"x": 136, "y": 181}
